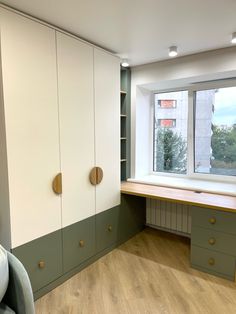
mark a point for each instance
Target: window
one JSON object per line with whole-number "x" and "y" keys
{"x": 195, "y": 131}
{"x": 166, "y": 123}
{"x": 170, "y": 132}
{"x": 166, "y": 103}
{"x": 215, "y": 131}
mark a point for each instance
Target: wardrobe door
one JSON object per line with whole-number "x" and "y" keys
{"x": 76, "y": 115}
{"x": 107, "y": 128}
{"x": 29, "y": 75}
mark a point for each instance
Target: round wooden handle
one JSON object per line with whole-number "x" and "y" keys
{"x": 92, "y": 176}
{"x": 96, "y": 175}
{"x": 81, "y": 243}
{"x": 109, "y": 228}
{"x": 57, "y": 184}
{"x": 41, "y": 264}
{"x": 211, "y": 261}
{"x": 99, "y": 175}
{"x": 212, "y": 241}
{"x": 212, "y": 220}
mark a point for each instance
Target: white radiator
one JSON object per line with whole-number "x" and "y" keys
{"x": 169, "y": 216}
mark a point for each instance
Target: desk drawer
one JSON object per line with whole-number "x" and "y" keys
{"x": 214, "y": 240}
{"x": 213, "y": 262}
{"x": 214, "y": 219}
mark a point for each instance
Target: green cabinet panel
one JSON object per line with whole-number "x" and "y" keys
{"x": 78, "y": 243}
{"x": 125, "y": 110}
{"x": 132, "y": 216}
{"x": 213, "y": 262}
{"x": 214, "y": 240}
{"x": 42, "y": 259}
{"x": 214, "y": 219}
{"x": 107, "y": 228}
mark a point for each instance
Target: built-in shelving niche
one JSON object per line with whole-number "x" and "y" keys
{"x": 125, "y": 123}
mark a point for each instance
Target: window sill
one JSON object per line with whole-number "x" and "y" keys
{"x": 188, "y": 184}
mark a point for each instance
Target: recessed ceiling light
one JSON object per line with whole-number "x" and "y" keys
{"x": 233, "y": 40}
{"x": 173, "y": 51}
{"x": 125, "y": 63}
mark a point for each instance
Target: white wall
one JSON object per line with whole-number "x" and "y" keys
{"x": 5, "y": 227}
{"x": 173, "y": 73}
{"x": 143, "y": 131}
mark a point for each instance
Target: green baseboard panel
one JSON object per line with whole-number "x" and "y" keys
{"x": 214, "y": 273}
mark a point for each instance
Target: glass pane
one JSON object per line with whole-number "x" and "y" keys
{"x": 215, "y": 131}
{"x": 170, "y": 132}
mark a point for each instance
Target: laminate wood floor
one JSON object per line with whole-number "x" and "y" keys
{"x": 150, "y": 273}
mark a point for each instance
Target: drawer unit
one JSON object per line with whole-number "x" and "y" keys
{"x": 78, "y": 243}
{"x": 107, "y": 228}
{"x": 214, "y": 219}
{"x": 214, "y": 240}
{"x": 42, "y": 259}
{"x": 214, "y": 262}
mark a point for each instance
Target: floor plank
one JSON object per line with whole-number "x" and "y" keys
{"x": 148, "y": 274}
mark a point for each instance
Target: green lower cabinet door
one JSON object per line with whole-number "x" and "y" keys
{"x": 42, "y": 259}
{"x": 213, "y": 262}
{"x": 78, "y": 243}
{"x": 107, "y": 228}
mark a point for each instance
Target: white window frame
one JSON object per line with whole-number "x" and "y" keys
{"x": 190, "y": 174}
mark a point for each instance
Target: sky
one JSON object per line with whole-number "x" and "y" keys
{"x": 225, "y": 106}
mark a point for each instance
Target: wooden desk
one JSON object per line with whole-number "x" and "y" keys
{"x": 213, "y": 225}
{"x": 209, "y": 200}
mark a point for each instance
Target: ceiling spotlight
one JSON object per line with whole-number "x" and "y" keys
{"x": 233, "y": 40}
{"x": 125, "y": 63}
{"x": 173, "y": 51}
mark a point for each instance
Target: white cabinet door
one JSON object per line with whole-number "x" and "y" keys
{"x": 107, "y": 128}
{"x": 76, "y": 112}
{"x": 29, "y": 75}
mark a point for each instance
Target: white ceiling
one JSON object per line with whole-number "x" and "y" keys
{"x": 141, "y": 30}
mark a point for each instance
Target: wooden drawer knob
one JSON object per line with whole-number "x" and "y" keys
{"x": 109, "y": 228}
{"x": 211, "y": 261}
{"x": 41, "y": 264}
{"x": 57, "y": 184}
{"x": 212, "y": 241}
{"x": 212, "y": 220}
{"x": 81, "y": 243}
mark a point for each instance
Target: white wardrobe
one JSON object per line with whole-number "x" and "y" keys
{"x": 59, "y": 113}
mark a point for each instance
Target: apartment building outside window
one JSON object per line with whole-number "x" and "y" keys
{"x": 170, "y": 132}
